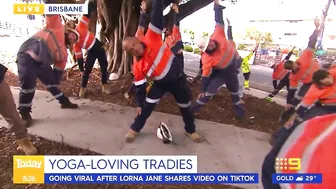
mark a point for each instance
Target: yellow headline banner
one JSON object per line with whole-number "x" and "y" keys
{"x": 28, "y": 9}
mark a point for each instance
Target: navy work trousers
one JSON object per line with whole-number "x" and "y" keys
{"x": 269, "y": 161}
{"x": 284, "y": 82}
{"x": 229, "y": 77}
{"x": 29, "y": 70}
{"x": 180, "y": 90}
{"x": 96, "y": 52}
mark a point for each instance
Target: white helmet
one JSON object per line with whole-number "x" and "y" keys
{"x": 163, "y": 133}
{"x": 203, "y": 43}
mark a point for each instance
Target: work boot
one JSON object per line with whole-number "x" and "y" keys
{"x": 27, "y": 146}
{"x": 27, "y": 119}
{"x": 247, "y": 84}
{"x": 239, "y": 111}
{"x": 106, "y": 89}
{"x": 68, "y": 105}
{"x": 269, "y": 99}
{"x": 82, "y": 92}
{"x": 194, "y": 137}
{"x": 131, "y": 135}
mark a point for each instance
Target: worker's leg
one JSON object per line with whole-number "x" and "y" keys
{"x": 216, "y": 81}
{"x": 247, "y": 80}
{"x": 180, "y": 60}
{"x": 301, "y": 93}
{"x": 283, "y": 82}
{"x": 91, "y": 58}
{"x": 46, "y": 76}
{"x": 16, "y": 124}
{"x": 241, "y": 83}
{"x": 27, "y": 71}
{"x": 275, "y": 83}
{"x": 101, "y": 55}
{"x": 182, "y": 94}
{"x": 153, "y": 97}
{"x": 232, "y": 85}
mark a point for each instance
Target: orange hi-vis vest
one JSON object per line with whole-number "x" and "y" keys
{"x": 279, "y": 71}
{"x": 156, "y": 60}
{"x": 308, "y": 66}
{"x": 311, "y": 147}
{"x": 326, "y": 96}
{"x": 53, "y": 37}
{"x": 224, "y": 54}
{"x": 86, "y": 39}
{"x": 175, "y": 37}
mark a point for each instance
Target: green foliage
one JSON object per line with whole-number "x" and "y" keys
{"x": 192, "y": 35}
{"x": 242, "y": 47}
{"x": 264, "y": 39}
{"x": 205, "y": 34}
{"x": 185, "y": 31}
{"x": 188, "y": 48}
{"x": 197, "y": 51}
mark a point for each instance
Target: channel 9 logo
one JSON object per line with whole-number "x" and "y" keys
{"x": 283, "y": 164}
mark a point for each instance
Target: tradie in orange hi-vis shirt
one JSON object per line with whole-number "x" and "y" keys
{"x": 34, "y": 59}
{"x": 281, "y": 74}
{"x": 320, "y": 98}
{"x": 219, "y": 65}
{"x": 312, "y": 142}
{"x": 154, "y": 60}
{"x": 82, "y": 38}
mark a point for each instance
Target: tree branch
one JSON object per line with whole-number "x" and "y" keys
{"x": 192, "y": 6}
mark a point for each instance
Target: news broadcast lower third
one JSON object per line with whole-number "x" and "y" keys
{"x": 132, "y": 170}
{"x": 50, "y": 9}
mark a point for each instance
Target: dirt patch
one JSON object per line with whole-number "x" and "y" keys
{"x": 8, "y": 148}
{"x": 261, "y": 115}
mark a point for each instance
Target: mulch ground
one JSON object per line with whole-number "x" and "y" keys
{"x": 261, "y": 115}
{"x": 8, "y": 148}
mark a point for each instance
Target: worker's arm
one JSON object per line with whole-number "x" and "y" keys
{"x": 229, "y": 31}
{"x": 206, "y": 72}
{"x": 140, "y": 83}
{"x": 79, "y": 56}
{"x": 176, "y": 31}
{"x": 154, "y": 32}
{"x": 140, "y": 33}
{"x": 219, "y": 28}
{"x": 309, "y": 52}
{"x": 311, "y": 97}
{"x": 289, "y": 55}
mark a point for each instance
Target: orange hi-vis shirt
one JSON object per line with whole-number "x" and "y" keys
{"x": 53, "y": 36}
{"x": 308, "y": 65}
{"x": 156, "y": 60}
{"x": 86, "y": 39}
{"x": 326, "y": 95}
{"x": 313, "y": 142}
{"x": 224, "y": 54}
{"x": 174, "y": 38}
{"x": 279, "y": 71}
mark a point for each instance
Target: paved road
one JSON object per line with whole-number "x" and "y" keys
{"x": 260, "y": 74}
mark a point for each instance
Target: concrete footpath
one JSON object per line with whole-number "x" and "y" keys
{"x": 101, "y": 127}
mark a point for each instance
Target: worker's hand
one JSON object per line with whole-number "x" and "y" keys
{"x": 138, "y": 111}
{"x": 201, "y": 95}
{"x": 288, "y": 106}
{"x": 175, "y": 7}
{"x": 216, "y": 2}
{"x": 82, "y": 73}
{"x": 143, "y": 6}
{"x": 289, "y": 123}
{"x": 317, "y": 22}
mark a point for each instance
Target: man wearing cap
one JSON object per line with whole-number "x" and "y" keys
{"x": 219, "y": 59}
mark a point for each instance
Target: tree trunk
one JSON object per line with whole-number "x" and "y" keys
{"x": 119, "y": 19}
